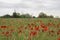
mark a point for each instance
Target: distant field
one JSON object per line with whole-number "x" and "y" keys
{"x": 29, "y": 29}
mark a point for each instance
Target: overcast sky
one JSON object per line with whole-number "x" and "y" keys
{"x": 33, "y": 7}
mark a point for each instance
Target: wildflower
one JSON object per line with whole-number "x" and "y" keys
{"x": 3, "y": 26}
{"x": 7, "y": 32}
{"x": 58, "y": 38}
{"x": 33, "y": 33}
{"x": 59, "y": 30}
{"x": 44, "y": 29}
{"x": 36, "y": 27}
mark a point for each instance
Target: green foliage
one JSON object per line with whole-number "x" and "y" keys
{"x": 26, "y": 16}
{"x": 51, "y": 16}
{"x": 42, "y": 15}
{"x": 6, "y": 16}
{"x": 34, "y": 17}
{"x": 17, "y": 15}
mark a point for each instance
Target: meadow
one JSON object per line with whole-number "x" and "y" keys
{"x": 29, "y": 29}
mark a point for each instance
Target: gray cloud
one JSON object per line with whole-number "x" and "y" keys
{"x": 9, "y": 5}
{"x": 33, "y": 4}
{"x": 48, "y": 6}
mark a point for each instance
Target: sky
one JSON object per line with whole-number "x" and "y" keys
{"x": 33, "y": 7}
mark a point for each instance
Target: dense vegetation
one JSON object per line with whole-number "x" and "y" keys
{"x": 17, "y": 15}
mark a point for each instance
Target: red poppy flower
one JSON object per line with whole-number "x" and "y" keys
{"x": 33, "y": 33}
{"x": 3, "y": 26}
{"x": 7, "y": 32}
{"x": 58, "y": 38}
{"x": 36, "y": 27}
{"x": 43, "y": 26}
{"x": 59, "y": 30}
{"x": 44, "y": 29}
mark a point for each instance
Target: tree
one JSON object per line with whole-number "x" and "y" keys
{"x": 26, "y": 16}
{"x": 15, "y": 15}
{"x": 6, "y": 16}
{"x": 22, "y": 16}
{"x": 42, "y": 15}
{"x": 51, "y": 16}
{"x": 34, "y": 17}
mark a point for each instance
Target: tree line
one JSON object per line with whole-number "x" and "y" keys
{"x": 17, "y": 15}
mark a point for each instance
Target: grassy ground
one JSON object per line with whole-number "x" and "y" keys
{"x": 29, "y": 29}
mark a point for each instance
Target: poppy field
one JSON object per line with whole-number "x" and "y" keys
{"x": 29, "y": 29}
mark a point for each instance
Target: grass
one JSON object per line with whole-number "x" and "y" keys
{"x": 18, "y": 28}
